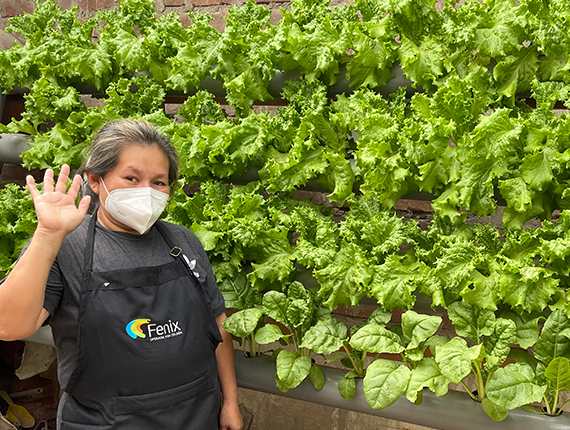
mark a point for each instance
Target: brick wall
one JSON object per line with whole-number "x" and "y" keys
{"x": 216, "y": 8}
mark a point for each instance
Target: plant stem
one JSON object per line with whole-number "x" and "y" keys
{"x": 294, "y": 347}
{"x": 548, "y": 409}
{"x": 355, "y": 365}
{"x": 362, "y": 359}
{"x": 468, "y": 391}
{"x": 488, "y": 378}
{"x": 480, "y": 384}
{"x": 563, "y": 404}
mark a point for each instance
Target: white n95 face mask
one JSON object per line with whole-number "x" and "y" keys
{"x": 137, "y": 207}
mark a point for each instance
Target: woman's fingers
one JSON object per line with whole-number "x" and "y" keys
{"x": 61, "y": 184}
{"x": 48, "y": 181}
{"x": 84, "y": 205}
{"x": 75, "y": 187}
{"x": 31, "y": 184}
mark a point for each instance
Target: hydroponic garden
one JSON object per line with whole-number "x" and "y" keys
{"x": 480, "y": 129}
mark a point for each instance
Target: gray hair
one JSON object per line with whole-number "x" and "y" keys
{"x": 115, "y": 136}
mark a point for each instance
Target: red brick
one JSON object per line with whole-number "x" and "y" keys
{"x": 185, "y": 20}
{"x": 174, "y": 2}
{"x": 12, "y": 8}
{"x": 94, "y": 5}
{"x": 101, "y": 4}
{"x": 6, "y": 40}
{"x": 219, "y": 21}
{"x": 64, "y": 4}
{"x": 276, "y": 16}
{"x": 206, "y": 2}
{"x": 414, "y": 205}
{"x": 16, "y": 174}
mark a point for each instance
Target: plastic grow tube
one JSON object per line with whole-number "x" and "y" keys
{"x": 449, "y": 412}
{"x": 12, "y": 146}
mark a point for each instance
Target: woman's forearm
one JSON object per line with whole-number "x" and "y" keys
{"x": 22, "y": 293}
{"x": 230, "y": 417}
{"x": 226, "y": 367}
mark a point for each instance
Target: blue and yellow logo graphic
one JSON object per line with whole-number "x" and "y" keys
{"x": 134, "y": 328}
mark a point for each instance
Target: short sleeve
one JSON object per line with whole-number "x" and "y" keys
{"x": 208, "y": 280}
{"x": 211, "y": 286}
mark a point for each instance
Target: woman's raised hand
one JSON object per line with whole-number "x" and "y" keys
{"x": 56, "y": 209}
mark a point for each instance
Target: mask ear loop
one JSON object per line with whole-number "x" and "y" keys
{"x": 106, "y": 190}
{"x": 87, "y": 191}
{"x": 104, "y": 186}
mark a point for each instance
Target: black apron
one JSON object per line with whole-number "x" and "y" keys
{"x": 146, "y": 349}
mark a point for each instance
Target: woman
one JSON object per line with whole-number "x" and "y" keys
{"x": 133, "y": 304}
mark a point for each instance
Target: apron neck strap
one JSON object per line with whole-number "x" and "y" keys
{"x": 88, "y": 255}
{"x": 175, "y": 251}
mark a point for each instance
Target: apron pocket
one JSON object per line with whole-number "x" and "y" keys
{"x": 74, "y": 416}
{"x": 195, "y": 405}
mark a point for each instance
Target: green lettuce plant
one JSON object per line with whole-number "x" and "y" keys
{"x": 17, "y": 224}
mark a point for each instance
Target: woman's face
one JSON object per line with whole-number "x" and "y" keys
{"x": 139, "y": 166}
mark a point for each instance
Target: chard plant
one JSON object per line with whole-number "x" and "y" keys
{"x": 482, "y": 363}
{"x": 243, "y": 325}
{"x": 387, "y": 380}
{"x": 295, "y": 310}
{"x": 541, "y": 378}
{"x": 329, "y": 336}
{"x": 384, "y": 380}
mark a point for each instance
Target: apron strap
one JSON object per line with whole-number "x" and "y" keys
{"x": 176, "y": 252}
{"x": 88, "y": 254}
{"x": 87, "y": 266}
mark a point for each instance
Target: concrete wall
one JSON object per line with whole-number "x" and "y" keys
{"x": 263, "y": 411}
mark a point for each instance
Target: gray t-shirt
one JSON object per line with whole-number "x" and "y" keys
{"x": 112, "y": 250}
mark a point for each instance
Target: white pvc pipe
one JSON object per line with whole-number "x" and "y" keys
{"x": 450, "y": 412}
{"x": 12, "y": 146}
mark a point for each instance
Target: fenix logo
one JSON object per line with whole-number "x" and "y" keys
{"x": 153, "y": 331}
